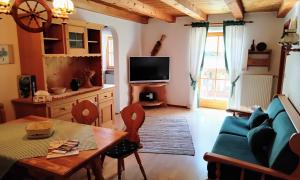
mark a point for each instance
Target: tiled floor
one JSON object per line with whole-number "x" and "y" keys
{"x": 204, "y": 125}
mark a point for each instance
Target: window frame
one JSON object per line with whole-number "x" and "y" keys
{"x": 109, "y": 38}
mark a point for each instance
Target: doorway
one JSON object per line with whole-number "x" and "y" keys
{"x": 214, "y": 81}
{"x": 108, "y": 65}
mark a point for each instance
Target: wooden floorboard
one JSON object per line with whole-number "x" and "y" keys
{"x": 204, "y": 125}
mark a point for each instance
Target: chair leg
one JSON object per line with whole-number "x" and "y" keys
{"x": 102, "y": 159}
{"x": 119, "y": 169}
{"x": 88, "y": 173}
{"x": 123, "y": 165}
{"x": 140, "y": 164}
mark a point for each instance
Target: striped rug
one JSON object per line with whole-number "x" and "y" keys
{"x": 164, "y": 135}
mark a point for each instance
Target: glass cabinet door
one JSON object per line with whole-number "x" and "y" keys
{"x": 76, "y": 40}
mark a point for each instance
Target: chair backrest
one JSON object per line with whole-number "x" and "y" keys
{"x": 2, "y": 114}
{"x": 133, "y": 117}
{"x": 85, "y": 112}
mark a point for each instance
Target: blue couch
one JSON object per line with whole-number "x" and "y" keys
{"x": 231, "y": 157}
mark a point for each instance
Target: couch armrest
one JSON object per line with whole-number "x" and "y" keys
{"x": 213, "y": 157}
{"x": 242, "y": 111}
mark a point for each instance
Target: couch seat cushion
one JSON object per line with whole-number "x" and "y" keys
{"x": 234, "y": 146}
{"x": 235, "y": 125}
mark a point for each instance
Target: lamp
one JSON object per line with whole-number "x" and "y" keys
{"x": 62, "y": 8}
{"x": 5, "y": 6}
{"x": 290, "y": 37}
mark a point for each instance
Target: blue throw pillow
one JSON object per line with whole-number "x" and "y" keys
{"x": 259, "y": 139}
{"x": 257, "y": 117}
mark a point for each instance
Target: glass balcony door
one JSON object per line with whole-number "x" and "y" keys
{"x": 214, "y": 82}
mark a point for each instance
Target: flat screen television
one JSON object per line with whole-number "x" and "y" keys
{"x": 149, "y": 69}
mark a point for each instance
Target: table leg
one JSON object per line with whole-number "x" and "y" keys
{"x": 96, "y": 166}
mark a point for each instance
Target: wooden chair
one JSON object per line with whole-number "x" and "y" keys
{"x": 2, "y": 114}
{"x": 85, "y": 112}
{"x": 133, "y": 117}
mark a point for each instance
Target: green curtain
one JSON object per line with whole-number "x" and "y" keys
{"x": 229, "y": 23}
{"x": 195, "y": 25}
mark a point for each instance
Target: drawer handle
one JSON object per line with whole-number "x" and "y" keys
{"x": 105, "y": 96}
{"x": 62, "y": 109}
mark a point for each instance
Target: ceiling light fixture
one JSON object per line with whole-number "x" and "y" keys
{"x": 290, "y": 37}
{"x": 62, "y": 8}
{"x": 5, "y": 6}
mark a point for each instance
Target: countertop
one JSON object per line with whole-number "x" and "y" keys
{"x": 68, "y": 93}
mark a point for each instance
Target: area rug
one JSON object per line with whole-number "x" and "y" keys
{"x": 165, "y": 135}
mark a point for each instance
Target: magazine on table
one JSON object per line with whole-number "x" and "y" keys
{"x": 62, "y": 148}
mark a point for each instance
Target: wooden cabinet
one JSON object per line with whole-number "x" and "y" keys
{"x": 52, "y": 52}
{"x": 107, "y": 106}
{"x": 259, "y": 58}
{"x": 61, "y": 109}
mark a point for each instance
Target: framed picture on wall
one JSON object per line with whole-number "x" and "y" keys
{"x": 6, "y": 54}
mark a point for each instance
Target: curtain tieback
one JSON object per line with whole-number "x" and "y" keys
{"x": 193, "y": 82}
{"x": 233, "y": 83}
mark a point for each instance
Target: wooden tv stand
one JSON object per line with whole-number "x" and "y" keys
{"x": 158, "y": 88}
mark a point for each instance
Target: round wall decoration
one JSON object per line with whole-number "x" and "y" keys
{"x": 32, "y": 15}
{"x": 261, "y": 46}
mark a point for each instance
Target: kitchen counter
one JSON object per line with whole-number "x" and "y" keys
{"x": 67, "y": 94}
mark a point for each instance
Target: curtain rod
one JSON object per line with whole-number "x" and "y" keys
{"x": 217, "y": 23}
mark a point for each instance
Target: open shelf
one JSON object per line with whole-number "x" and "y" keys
{"x": 159, "y": 89}
{"x": 259, "y": 58}
{"x": 93, "y": 42}
{"x": 94, "y": 38}
{"x": 53, "y": 39}
{"x": 151, "y": 103}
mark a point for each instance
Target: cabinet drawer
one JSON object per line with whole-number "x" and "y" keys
{"x": 93, "y": 99}
{"x": 61, "y": 109}
{"x": 106, "y": 96}
{"x": 65, "y": 117}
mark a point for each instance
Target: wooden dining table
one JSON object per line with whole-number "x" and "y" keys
{"x": 64, "y": 167}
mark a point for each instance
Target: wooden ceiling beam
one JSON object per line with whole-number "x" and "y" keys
{"x": 110, "y": 11}
{"x": 285, "y": 7}
{"x": 188, "y": 7}
{"x": 140, "y": 8}
{"x": 236, "y": 8}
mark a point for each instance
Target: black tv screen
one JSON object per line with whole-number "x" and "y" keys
{"x": 149, "y": 69}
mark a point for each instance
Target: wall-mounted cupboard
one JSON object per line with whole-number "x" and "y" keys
{"x": 58, "y": 54}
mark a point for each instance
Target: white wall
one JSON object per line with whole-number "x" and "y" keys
{"x": 291, "y": 85}
{"x": 266, "y": 28}
{"x": 9, "y": 72}
{"x": 127, "y": 42}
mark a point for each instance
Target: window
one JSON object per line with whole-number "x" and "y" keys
{"x": 110, "y": 53}
{"x": 214, "y": 84}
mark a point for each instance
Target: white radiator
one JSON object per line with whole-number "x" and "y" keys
{"x": 256, "y": 90}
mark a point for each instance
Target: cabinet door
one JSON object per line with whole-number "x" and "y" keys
{"x": 76, "y": 40}
{"x": 107, "y": 111}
